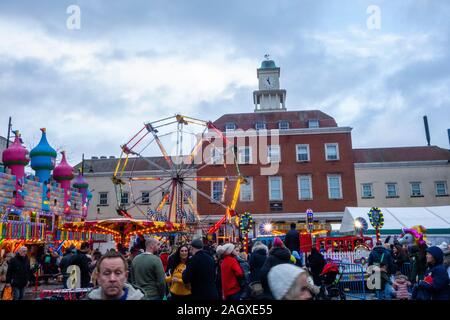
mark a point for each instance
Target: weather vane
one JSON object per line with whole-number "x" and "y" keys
{"x": 267, "y": 56}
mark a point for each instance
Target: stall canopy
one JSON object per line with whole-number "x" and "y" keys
{"x": 123, "y": 228}
{"x": 435, "y": 219}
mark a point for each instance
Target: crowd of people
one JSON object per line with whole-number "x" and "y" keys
{"x": 196, "y": 270}
{"x": 418, "y": 272}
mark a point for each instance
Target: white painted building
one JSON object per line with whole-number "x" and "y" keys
{"x": 402, "y": 177}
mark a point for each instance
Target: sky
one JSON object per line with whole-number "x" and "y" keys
{"x": 378, "y": 70}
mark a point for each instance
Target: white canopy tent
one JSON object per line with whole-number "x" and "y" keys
{"x": 435, "y": 219}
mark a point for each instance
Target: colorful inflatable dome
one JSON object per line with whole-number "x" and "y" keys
{"x": 43, "y": 158}
{"x": 80, "y": 182}
{"x": 16, "y": 154}
{"x": 63, "y": 170}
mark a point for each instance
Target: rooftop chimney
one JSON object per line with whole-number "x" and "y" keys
{"x": 427, "y": 131}
{"x": 448, "y": 132}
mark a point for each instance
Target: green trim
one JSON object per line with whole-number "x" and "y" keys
{"x": 46, "y": 167}
{"x": 15, "y": 162}
{"x": 80, "y": 185}
{"x": 63, "y": 178}
{"x": 43, "y": 153}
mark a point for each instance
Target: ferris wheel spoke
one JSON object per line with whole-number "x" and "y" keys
{"x": 154, "y": 163}
{"x": 206, "y": 196}
{"x": 147, "y": 178}
{"x": 194, "y": 150}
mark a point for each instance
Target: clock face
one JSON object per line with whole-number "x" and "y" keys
{"x": 269, "y": 82}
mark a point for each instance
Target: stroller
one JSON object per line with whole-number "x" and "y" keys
{"x": 330, "y": 278}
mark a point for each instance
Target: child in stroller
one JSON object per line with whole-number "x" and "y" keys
{"x": 330, "y": 288}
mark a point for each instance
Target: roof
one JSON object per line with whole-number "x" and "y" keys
{"x": 432, "y": 218}
{"x": 400, "y": 154}
{"x": 268, "y": 64}
{"x": 134, "y": 164}
{"x": 297, "y": 119}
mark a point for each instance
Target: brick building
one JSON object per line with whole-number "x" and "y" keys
{"x": 311, "y": 154}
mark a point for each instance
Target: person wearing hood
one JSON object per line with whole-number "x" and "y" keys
{"x": 289, "y": 282}
{"x": 277, "y": 255}
{"x": 446, "y": 250}
{"x": 257, "y": 259}
{"x": 315, "y": 262}
{"x": 112, "y": 270}
{"x": 18, "y": 273}
{"x": 435, "y": 285}
{"x": 231, "y": 273}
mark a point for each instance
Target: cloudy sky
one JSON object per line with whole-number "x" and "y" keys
{"x": 137, "y": 61}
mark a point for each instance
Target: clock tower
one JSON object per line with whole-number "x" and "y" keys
{"x": 269, "y": 97}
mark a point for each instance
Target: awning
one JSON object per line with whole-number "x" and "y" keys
{"x": 435, "y": 219}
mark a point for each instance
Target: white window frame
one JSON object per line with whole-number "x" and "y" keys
{"x": 284, "y": 121}
{"x": 270, "y": 188}
{"x": 387, "y": 189}
{"x": 216, "y": 157}
{"x": 269, "y": 153}
{"x": 420, "y": 189}
{"x": 122, "y": 196}
{"x": 100, "y": 198}
{"x": 297, "y": 146}
{"x": 250, "y": 182}
{"x": 371, "y": 190}
{"x": 230, "y": 129}
{"x": 212, "y": 190}
{"x": 445, "y": 188}
{"x": 240, "y": 155}
{"x": 260, "y": 122}
{"x": 313, "y": 121}
{"x": 299, "y": 177}
{"x": 329, "y": 187}
{"x": 142, "y": 197}
{"x": 335, "y": 144}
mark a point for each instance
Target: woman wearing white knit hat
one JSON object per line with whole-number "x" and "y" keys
{"x": 289, "y": 282}
{"x": 231, "y": 272}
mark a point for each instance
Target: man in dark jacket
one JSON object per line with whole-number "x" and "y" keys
{"x": 436, "y": 280}
{"x": 65, "y": 263}
{"x": 81, "y": 260}
{"x": 277, "y": 255}
{"x": 200, "y": 273}
{"x": 292, "y": 239}
{"x": 18, "y": 273}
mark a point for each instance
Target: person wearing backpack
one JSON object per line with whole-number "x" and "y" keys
{"x": 381, "y": 257}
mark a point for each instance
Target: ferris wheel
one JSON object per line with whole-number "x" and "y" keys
{"x": 180, "y": 142}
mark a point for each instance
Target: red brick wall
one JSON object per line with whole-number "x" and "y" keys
{"x": 289, "y": 169}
